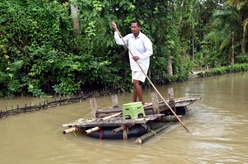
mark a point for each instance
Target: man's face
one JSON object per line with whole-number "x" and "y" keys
{"x": 135, "y": 29}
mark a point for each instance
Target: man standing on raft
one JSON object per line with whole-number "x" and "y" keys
{"x": 141, "y": 47}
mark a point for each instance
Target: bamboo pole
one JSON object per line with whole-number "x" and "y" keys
{"x": 153, "y": 84}
{"x": 73, "y": 129}
{"x": 97, "y": 127}
{"x": 111, "y": 116}
{"x": 91, "y": 130}
{"x": 150, "y": 134}
{"x": 121, "y": 128}
{"x": 169, "y": 118}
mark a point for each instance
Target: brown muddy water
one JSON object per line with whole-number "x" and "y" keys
{"x": 218, "y": 125}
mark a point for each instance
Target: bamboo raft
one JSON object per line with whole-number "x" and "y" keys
{"x": 111, "y": 123}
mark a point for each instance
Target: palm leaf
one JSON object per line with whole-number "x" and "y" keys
{"x": 225, "y": 42}
{"x": 245, "y": 22}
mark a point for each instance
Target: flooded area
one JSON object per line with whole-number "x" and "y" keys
{"x": 217, "y": 124}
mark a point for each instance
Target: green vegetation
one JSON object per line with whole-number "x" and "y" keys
{"x": 44, "y": 51}
{"x": 224, "y": 70}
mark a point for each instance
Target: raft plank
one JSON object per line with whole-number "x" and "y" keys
{"x": 116, "y": 121}
{"x": 180, "y": 102}
{"x": 72, "y": 124}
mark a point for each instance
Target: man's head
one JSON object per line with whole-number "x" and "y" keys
{"x": 135, "y": 27}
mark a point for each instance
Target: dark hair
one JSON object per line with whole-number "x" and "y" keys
{"x": 136, "y": 21}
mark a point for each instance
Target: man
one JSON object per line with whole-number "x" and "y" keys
{"x": 141, "y": 47}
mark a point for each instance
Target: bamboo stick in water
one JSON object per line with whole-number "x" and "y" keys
{"x": 150, "y": 134}
{"x": 73, "y": 129}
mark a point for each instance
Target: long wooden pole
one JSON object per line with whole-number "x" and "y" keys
{"x": 153, "y": 84}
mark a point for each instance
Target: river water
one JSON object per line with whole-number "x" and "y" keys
{"x": 217, "y": 124}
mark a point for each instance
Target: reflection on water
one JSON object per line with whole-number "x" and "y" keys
{"x": 217, "y": 124}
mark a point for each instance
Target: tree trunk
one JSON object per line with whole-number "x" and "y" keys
{"x": 232, "y": 62}
{"x": 169, "y": 68}
{"x": 75, "y": 20}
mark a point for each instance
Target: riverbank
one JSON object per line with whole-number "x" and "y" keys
{"x": 6, "y": 111}
{"x": 220, "y": 71}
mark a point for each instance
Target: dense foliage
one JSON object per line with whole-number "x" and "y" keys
{"x": 224, "y": 70}
{"x": 42, "y": 54}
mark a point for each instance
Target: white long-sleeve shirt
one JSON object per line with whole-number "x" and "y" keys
{"x": 140, "y": 46}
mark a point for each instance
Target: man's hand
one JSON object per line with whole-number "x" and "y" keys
{"x": 114, "y": 25}
{"x": 135, "y": 58}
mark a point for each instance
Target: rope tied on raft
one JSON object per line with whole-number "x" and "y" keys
{"x": 74, "y": 134}
{"x": 170, "y": 118}
{"x": 150, "y": 130}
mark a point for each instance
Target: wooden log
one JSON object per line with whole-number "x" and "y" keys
{"x": 125, "y": 133}
{"x": 155, "y": 104}
{"x": 73, "y": 129}
{"x": 171, "y": 98}
{"x": 140, "y": 140}
{"x": 171, "y": 94}
{"x": 115, "y": 101}
{"x": 94, "y": 107}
